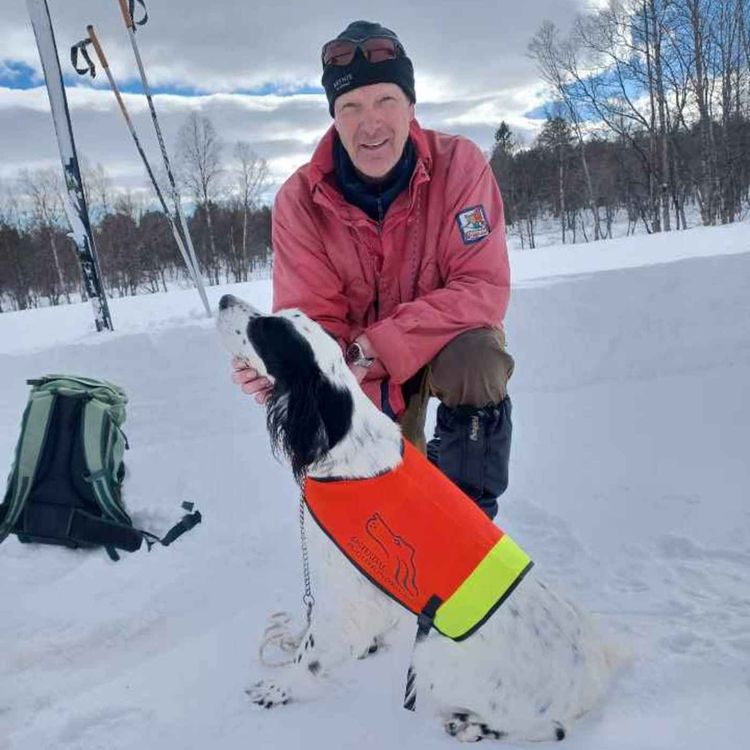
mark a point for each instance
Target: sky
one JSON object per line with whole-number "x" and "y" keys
{"x": 254, "y": 70}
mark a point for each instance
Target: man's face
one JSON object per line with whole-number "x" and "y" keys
{"x": 373, "y": 125}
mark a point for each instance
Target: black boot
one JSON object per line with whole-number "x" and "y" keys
{"x": 472, "y": 448}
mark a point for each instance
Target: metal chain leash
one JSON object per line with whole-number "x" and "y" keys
{"x": 279, "y": 643}
{"x": 308, "y": 599}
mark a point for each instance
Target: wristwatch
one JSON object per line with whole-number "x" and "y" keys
{"x": 355, "y": 355}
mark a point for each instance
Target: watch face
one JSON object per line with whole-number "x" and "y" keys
{"x": 354, "y": 353}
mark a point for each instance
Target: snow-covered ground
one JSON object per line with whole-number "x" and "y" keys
{"x": 630, "y": 487}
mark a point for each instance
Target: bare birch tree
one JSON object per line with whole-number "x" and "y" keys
{"x": 199, "y": 158}
{"x": 556, "y": 59}
{"x": 43, "y": 190}
{"x": 252, "y": 179}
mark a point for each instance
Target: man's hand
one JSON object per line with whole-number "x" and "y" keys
{"x": 250, "y": 381}
{"x": 359, "y": 372}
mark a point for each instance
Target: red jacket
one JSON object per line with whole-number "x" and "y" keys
{"x": 436, "y": 267}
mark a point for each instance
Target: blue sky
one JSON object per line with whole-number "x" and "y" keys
{"x": 15, "y": 74}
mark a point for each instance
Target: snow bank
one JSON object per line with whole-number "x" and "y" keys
{"x": 629, "y": 488}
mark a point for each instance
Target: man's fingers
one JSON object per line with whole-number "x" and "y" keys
{"x": 256, "y": 385}
{"x": 244, "y": 376}
{"x": 250, "y": 380}
{"x": 262, "y": 396}
{"x": 241, "y": 365}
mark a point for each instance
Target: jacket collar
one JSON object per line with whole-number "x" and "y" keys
{"x": 373, "y": 198}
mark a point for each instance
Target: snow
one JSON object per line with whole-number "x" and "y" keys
{"x": 629, "y": 488}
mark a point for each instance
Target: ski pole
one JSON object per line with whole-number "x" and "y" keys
{"x": 94, "y": 40}
{"x": 130, "y": 25}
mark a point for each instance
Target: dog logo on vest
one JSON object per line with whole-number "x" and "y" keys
{"x": 399, "y": 552}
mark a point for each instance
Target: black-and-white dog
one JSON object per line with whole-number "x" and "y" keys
{"x": 534, "y": 667}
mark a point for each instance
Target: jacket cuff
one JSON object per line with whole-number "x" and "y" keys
{"x": 391, "y": 349}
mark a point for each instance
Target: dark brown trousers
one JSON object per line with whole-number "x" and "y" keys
{"x": 471, "y": 370}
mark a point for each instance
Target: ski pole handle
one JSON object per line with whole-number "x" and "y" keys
{"x": 97, "y": 47}
{"x": 126, "y": 14}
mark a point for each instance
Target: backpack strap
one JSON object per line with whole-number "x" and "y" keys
{"x": 74, "y": 527}
{"x": 184, "y": 524}
{"x": 34, "y": 427}
{"x": 89, "y": 529}
{"x": 95, "y": 439}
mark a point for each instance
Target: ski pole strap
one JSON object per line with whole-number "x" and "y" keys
{"x": 79, "y": 48}
{"x": 128, "y": 13}
{"x": 143, "y": 20}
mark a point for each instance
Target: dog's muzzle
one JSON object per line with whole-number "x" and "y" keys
{"x": 230, "y": 302}
{"x": 232, "y": 324}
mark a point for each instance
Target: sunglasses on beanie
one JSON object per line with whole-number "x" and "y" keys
{"x": 375, "y": 49}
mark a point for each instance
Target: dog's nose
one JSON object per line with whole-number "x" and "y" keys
{"x": 226, "y": 301}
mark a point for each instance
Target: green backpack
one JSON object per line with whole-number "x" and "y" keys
{"x": 65, "y": 486}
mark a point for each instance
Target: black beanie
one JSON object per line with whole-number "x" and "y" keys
{"x": 338, "y": 79}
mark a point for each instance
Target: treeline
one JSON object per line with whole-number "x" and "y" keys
{"x": 546, "y": 181}
{"x": 651, "y": 117}
{"x": 137, "y": 254}
{"x": 229, "y": 225}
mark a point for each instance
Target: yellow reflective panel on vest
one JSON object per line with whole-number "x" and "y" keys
{"x": 485, "y": 589}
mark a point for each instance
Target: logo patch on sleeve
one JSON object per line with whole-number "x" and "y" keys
{"x": 473, "y": 224}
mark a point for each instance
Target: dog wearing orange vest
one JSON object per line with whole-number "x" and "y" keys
{"x": 534, "y": 667}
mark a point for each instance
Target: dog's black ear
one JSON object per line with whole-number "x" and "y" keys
{"x": 307, "y": 414}
{"x": 335, "y": 406}
{"x": 306, "y": 418}
{"x": 285, "y": 353}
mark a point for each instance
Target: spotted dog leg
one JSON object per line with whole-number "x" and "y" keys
{"x": 373, "y": 648}
{"x": 273, "y": 693}
{"x": 267, "y": 694}
{"x": 468, "y": 727}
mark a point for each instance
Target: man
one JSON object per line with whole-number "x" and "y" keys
{"x": 393, "y": 239}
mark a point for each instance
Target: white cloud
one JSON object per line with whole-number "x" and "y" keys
{"x": 470, "y": 58}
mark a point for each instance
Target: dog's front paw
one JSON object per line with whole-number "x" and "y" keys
{"x": 267, "y": 694}
{"x": 373, "y": 647}
{"x": 468, "y": 727}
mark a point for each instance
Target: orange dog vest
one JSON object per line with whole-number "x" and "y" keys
{"x": 417, "y": 537}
